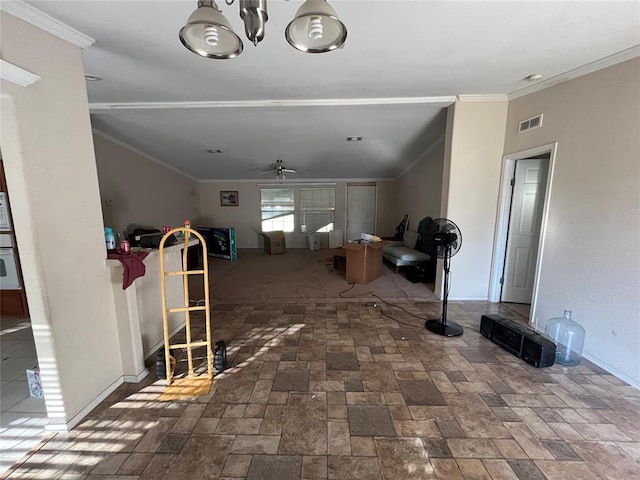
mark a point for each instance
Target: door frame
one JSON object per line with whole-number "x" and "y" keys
{"x": 502, "y": 222}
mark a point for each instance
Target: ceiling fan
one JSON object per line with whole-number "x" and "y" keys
{"x": 278, "y": 169}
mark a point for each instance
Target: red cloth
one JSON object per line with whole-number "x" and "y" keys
{"x": 132, "y": 263}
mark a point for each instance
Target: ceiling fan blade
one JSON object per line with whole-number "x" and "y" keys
{"x": 276, "y": 169}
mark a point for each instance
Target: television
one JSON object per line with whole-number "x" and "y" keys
{"x": 221, "y": 242}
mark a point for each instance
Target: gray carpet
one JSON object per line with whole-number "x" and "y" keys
{"x": 302, "y": 275}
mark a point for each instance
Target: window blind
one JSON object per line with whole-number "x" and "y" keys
{"x": 277, "y": 209}
{"x": 317, "y": 209}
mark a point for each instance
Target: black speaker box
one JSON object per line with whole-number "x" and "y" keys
{"x": 518, "y": 340}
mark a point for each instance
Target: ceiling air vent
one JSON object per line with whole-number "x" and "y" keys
{"x": 529, "y": 123}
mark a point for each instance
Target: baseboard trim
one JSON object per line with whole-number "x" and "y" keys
{"x": 474, "y": 299}
{"x": 76, "y": 419}
{"x": 613, "y": 371}
{"x": 136, "y": 378}
{"x": 605, "y": 366}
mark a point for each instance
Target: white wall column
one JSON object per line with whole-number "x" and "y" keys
{"x": 50, "y": 166}
{"x": 474, "y": 143}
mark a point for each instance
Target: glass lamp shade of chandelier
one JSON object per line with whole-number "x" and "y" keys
{"x": 316, "y": 28}
{"x": 209, "y": 34}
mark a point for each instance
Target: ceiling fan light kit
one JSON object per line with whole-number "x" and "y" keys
{"x": 279, "y": 169}
{"x": 314, "y": 29}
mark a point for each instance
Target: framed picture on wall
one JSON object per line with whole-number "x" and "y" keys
{"x": 229, "y": 198}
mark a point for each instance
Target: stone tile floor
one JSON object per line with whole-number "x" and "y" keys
{"x": 340, "y": 391}
{"x": 22, "y": 417}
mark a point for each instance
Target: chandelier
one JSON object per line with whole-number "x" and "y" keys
{"x": 314, "y": 29}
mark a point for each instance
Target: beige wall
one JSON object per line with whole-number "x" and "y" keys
{"x": 51, "y": 173}
{"x": 591, "y": 259}
{"x": 420, "y": 187}
{"x": 245, "y": 218}
{"x": 140, "y": 191}
{"x": 387, "y": 212}
{"x": 474, "y": 145}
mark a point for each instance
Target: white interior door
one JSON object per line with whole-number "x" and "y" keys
{"x": 361, "y": 210}
{"x": 527, "y": 203}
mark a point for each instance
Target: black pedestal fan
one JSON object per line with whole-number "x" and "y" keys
{"x": 446, "y": 238}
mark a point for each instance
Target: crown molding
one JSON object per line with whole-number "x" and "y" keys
{"x": 296, "y": 182}
{"x": 17, "y": 75}
{"x": 443, "y": 101}
{"x": 38, "y": 18}
{"x": 605, "y": 62}
{"x": 490, "y": 97}
{"x": 133, "y": 149}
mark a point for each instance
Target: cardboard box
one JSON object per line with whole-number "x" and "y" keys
{"x": 274, "y": 242}
{"x": 364, "y": 261}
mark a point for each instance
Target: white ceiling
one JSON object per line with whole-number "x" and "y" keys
{"x": 394, "y": 49}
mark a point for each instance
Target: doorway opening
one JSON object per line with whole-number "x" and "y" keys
{"x": 520, "y": 229}
{"x": 23, "y": 413}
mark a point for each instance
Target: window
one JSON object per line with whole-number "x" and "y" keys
{"x": 317, "y": 207}
{"x": 277, "y": 207}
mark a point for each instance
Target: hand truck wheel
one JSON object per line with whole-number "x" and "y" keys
{"x": 220, "y": 356}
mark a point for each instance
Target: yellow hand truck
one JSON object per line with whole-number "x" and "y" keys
{"x": 191, "y": 385}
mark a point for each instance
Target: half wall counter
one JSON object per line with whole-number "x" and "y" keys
{"x": 138, "y": 308}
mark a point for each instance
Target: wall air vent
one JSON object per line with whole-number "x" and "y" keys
{"x": 529, "y": 123}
